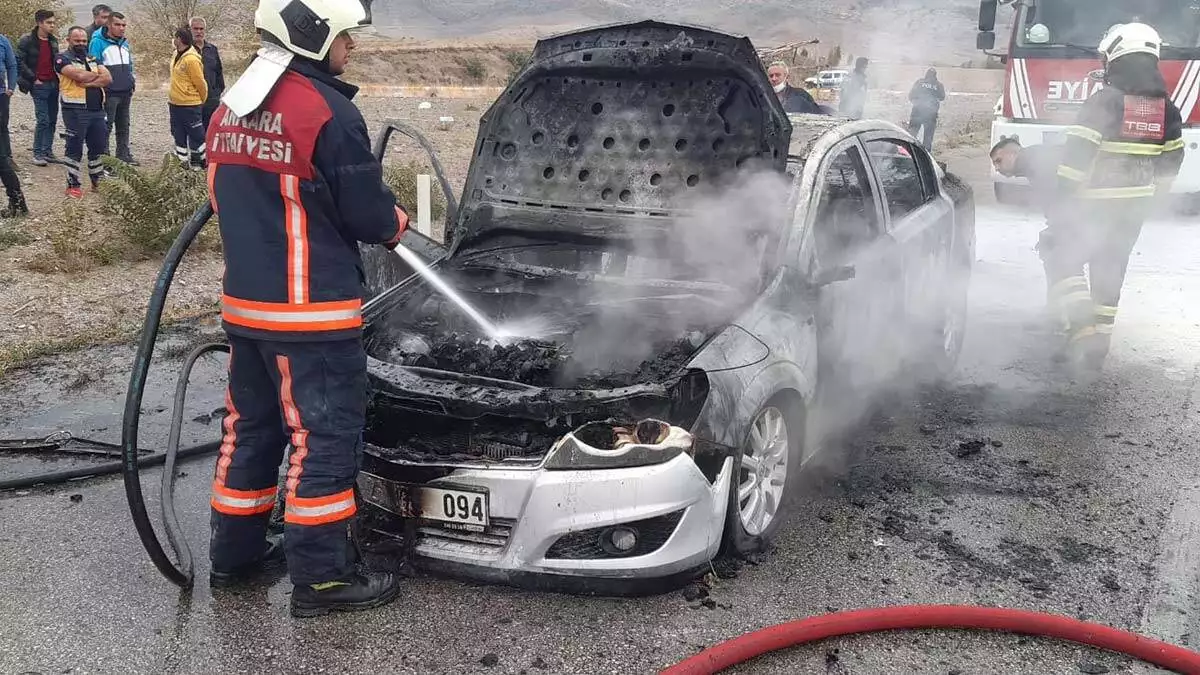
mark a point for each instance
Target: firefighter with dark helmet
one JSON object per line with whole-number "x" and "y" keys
{"x": 1125, "y": 148}
{"x": 296, "y": 188}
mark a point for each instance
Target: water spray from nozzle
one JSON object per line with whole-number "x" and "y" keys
{"x": 490, "y": 329}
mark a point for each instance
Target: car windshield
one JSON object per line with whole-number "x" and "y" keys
{"x": 1083, "y": 22}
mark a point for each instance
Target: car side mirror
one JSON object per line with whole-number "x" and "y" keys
{"x": 834, "y": 274}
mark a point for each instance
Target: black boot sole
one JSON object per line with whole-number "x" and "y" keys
{"x": 312, "y": 611}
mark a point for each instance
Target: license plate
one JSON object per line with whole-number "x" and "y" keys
{"x": 459, "y": 507}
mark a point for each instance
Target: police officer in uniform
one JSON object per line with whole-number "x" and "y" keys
{"x": 296, "y": 187}
{"x": 1125, "y": 148}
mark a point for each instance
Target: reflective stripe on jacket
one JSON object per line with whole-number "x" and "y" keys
{"x": 1121, "y": 146}
{"x": 296, "y": 187}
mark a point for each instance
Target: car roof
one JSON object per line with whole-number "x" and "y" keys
{"x": 808, "y": 129}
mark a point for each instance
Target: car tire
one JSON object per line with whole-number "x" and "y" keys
{"x": 746, "y": 534}
{"x": 947, "y": 340}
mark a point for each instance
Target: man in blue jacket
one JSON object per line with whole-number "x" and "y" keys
{"x": 296, "y": 187}
{"x": 8, "y": 170}
{"x": 110, "y": 48}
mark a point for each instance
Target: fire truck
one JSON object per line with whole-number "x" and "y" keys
{"x": 1052, "y": 67}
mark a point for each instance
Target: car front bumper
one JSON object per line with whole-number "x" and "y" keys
{"x": 678, "y": 513}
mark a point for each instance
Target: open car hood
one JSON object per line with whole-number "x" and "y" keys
{"x": 615, "y": 129}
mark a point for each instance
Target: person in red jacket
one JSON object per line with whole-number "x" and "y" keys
{"x": 296, "y": 187}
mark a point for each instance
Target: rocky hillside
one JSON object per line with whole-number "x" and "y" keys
{"x": 918, "y": 31}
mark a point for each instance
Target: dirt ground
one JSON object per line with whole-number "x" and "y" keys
{"x": 49, "y": 312}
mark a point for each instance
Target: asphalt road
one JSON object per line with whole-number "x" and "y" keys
{"x": 1080, "y": 501}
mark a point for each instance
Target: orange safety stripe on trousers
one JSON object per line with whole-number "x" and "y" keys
{"x": 212, "y": 179}
{"x": 291, "y": 414}
{"x": 229, "y": 437}
{"x": 296, "y": 224}
{"x": 243, "y": 502}
{"x": 278, "y": 316}
{"x": 320, "y": 510}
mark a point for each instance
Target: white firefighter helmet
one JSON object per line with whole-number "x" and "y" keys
{"x": 308, "y": 27}
{"x": 1129, "y": 38}
{"x": 305, "y": 28}
{"x": 1038, "y": 34}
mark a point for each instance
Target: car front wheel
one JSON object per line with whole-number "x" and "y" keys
{"x": 760, "y": 493}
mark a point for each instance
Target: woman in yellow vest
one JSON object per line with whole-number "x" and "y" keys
{"x": 188, "y": 93}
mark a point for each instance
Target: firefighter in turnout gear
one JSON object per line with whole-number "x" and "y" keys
{"x": 1125, "y": 148}
{"x": 296, "y": 187}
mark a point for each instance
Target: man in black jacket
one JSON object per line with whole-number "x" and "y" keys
{"x": 1039, "y": 165}
{"x": 214, "y": 71}
{"x": 100, "y": 16}
{"x": 794, "y": 100}
{"x": 36, "y": 77}
{"x": 926, "y": 97}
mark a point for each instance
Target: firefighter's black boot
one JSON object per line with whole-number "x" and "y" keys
{"x": 272, "y": 558}
{"x": 359, "y": 592}
{"x": 16, "y": 198}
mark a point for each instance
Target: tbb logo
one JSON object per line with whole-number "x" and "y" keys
{"x": 1132, "y": 127}
{"x": 1144, "y": 119}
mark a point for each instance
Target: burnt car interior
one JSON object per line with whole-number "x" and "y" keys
{"x": 577, "y": 230}
{"x": 846, "y": 218}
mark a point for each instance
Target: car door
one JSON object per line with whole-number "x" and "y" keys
{"x": 921, "y": 222}
{"x": 849, "y": 232}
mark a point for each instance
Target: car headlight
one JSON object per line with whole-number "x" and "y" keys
{"x": 603, "y": 445}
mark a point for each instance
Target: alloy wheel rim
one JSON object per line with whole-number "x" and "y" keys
{"x": 763, "y": 471}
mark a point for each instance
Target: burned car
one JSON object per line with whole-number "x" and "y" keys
{"x": 688, "y": 277}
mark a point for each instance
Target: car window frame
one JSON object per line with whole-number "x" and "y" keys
{"x": 929, "y": 190}
{"x": 881, "y": 226}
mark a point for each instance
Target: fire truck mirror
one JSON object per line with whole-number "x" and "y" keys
{"x": 985, "y": 41}
{"x": 987, "y": 16}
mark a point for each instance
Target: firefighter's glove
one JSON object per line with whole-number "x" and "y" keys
{"x": 401, "y": 228}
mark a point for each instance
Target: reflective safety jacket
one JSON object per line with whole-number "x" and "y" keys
{"x": 296, "y": 187}
{"x": 1122, "y": 146}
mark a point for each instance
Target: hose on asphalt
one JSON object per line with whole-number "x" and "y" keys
{"x": 175, "y": 536}
{"x": 105, "y": 469}
{"x": 180, "y": 575}
{"x": 812, "y": 629}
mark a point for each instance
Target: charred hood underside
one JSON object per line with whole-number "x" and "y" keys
{"x": 620, "y": 126}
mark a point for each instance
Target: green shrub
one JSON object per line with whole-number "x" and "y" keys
{"x": 10, "y": 236}
{"x": 402, "y": 179}
{"x": 150, "y": 207}
{"x": 517, "y": 60}
{"x": 474, "y": 69}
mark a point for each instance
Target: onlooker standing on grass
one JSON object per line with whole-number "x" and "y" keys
{"x": 100, "y": 17}
{"x": 189, "y": 91}
{"x": 214, "y": 72}
{"x": 8, "y": 170}
{"x": 111, "y": 50}
{"x": 82, "y": 81}
{"x": 35, "y": 59}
